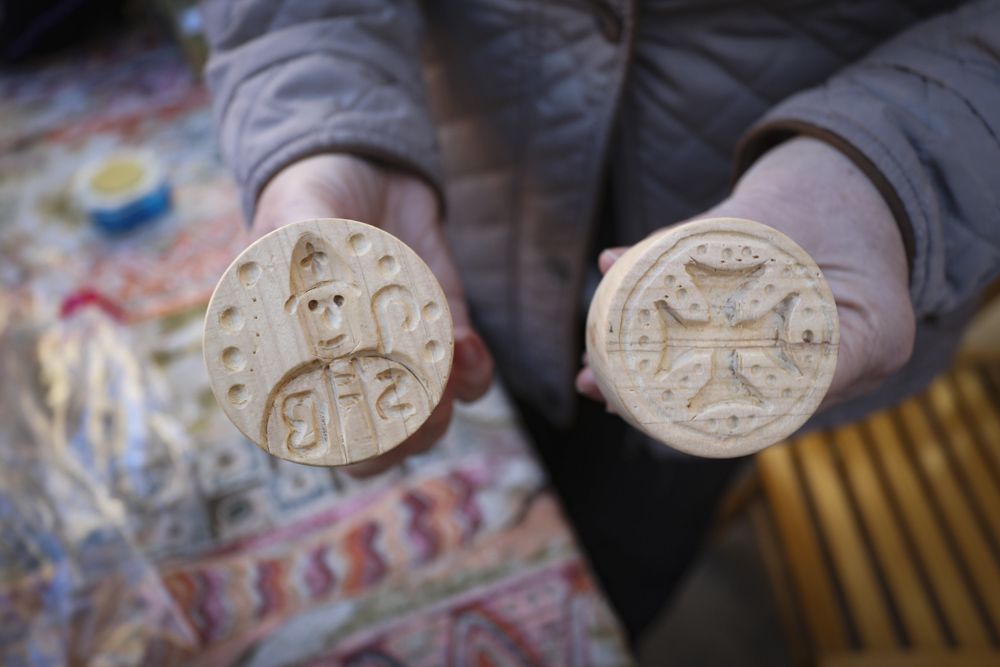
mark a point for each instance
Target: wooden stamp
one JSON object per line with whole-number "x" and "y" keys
{"x": 328, "y": 342}
{"x": 716, "y": 337}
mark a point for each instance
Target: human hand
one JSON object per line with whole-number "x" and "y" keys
{"x": 816, "y": 196}
{"x": 344, "y": 186}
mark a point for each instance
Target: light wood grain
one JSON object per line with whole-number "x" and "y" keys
{"x": 717, "y": 337}
{"x": 328, "y": 342}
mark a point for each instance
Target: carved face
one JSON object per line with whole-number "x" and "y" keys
{"x": 330, "y": 315}
{"x": 327, "y": 300}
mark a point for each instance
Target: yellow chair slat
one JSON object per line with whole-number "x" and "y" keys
{"x": 971, "y": 541}
{"x": 969, "y": 459}
{"x": 912, "y": 659}
{"x": 775, "y": 564}
{"x": 918, "y": 516}
{"x": 884, "y": 536}
{"x": 845, "y": 544}
{"x": 986, "y": 421}
{"x": 897, "y": 560}
{"x": 797, "y": 534}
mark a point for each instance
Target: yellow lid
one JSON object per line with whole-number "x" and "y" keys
{"x": 117, "y": 176}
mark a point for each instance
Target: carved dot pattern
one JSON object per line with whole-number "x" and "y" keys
{"x": 249, "y": 273}
{"x": 431, "y": 311}
{"x": 239, "y": 395}
{"x": 388, "y": 266}
{"x": 231, "y": 319}
{"x": 234, "y": 359}
{"x": 433, "y": 351}
{"x": 359, "y": 244}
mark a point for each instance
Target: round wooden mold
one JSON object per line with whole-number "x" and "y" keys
{"x": 328, "y": 342}
{"x": 717, "y": 337}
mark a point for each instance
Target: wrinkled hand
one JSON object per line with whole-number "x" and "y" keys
{"x": 343, "y": 186}
{"x": 822, "y": 201}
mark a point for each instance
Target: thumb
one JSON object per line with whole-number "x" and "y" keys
{"x": 472, "y": 369}
{"x": 608, "y": 257}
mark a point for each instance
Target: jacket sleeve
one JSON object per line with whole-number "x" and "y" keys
{"x": 294, "y": 78}
{"x": 921, "y": 116}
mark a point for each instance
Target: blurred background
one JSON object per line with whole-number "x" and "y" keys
{"x": 140, "y": 528}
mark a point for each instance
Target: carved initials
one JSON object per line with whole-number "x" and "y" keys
{"x": 389, "y": 403}
{"x": 301, "y": 413}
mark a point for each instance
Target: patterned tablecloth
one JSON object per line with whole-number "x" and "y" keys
{"x": 195, "y": 546}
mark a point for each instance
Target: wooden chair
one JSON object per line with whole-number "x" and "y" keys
{"x": 882, "y": 539}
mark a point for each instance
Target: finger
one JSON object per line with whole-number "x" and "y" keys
{"x": 608, "y": 257}
{"x": 472, "y": 370}
{"x": 429, "y": 433}
{"x": 437, "y": 255}
{"x": 419, "y": 226}
{"x": 587, "y": 385}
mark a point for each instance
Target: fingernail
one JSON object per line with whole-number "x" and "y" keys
{"x": 611, "y": 255}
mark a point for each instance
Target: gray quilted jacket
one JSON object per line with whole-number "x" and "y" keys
{"x": 524, "y": 113}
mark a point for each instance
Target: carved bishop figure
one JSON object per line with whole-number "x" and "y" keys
{"x": 353, "y": 347}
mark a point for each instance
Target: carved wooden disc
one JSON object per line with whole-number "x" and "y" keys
{"x": 328, "y": 342}
{"x": 717, "y": 337}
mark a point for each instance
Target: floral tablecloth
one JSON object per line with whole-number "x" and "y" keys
{"x": 193, "y": 546}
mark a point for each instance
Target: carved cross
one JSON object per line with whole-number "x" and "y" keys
{"x": 725, "y": 328}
